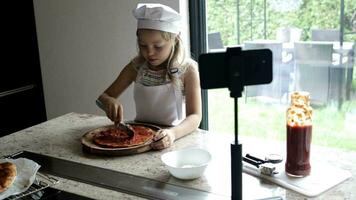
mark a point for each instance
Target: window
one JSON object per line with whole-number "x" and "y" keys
{"x": 312, "y": 51}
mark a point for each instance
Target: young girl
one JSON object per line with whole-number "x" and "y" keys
{"x": 166, "y": 83}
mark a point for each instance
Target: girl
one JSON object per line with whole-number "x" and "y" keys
{"x": 166, "y": 83}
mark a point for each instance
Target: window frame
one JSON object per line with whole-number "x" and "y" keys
{"x": 198, "y": 42}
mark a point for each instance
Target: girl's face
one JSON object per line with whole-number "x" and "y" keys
{"x": 153, "y": 47}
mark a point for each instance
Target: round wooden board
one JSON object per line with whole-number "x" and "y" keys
{"x": 90, "y": 147}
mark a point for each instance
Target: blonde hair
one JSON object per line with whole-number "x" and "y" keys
{"x": 176, "y": 59}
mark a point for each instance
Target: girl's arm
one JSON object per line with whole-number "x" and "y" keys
{"x": 113, "y": 108}
{"x": 193, "y": 111}
{"x": 193, "y": 104}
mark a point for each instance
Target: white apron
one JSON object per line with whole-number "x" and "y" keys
{"x": 162, "y": 104}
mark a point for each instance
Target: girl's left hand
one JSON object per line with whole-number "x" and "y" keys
{"x": 163, "y": 139}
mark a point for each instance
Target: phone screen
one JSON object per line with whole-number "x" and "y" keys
{"x": 253, "y": 66}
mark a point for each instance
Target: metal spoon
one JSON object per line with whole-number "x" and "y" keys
{"x": 119, "y": 125}
{"x": 126, "y": 128}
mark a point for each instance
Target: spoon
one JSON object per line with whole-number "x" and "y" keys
{"x": 119, "y": 125}
{"x": 126, "y": 128}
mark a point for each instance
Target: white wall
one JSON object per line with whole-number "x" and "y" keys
{"x": 83, "y": 46}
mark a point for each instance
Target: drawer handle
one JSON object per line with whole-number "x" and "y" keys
{"x": 17, "y": 90}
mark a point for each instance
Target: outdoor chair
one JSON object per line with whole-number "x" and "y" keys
{"x": 316, "y": 73}
{"x": 350, "y": 70}
{"x": 281, "y": 71}
{"x": 215, "y": 42}
{"x": 325, "y": 35}
{"x": 288, "y": 34}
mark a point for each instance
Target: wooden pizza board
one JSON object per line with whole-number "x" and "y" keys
{"x": 89, "y": 146}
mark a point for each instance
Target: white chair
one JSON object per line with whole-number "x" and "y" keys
{"x": 316, "y": 73}
{"x": 295, "y": 34}
{"x": 281, "y": 71}
{"x": 350, "y": 66}
{"x": 215, "y": 41}
{"x": 325, "y": 35}
{"x": 288, "y": 34}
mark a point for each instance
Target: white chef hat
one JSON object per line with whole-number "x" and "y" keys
{"x": 157, "y": 17}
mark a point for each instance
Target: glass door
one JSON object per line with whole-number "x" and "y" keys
{"x": 313, "y": 45}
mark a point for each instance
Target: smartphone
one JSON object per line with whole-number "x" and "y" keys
{"x": 224, "y": 69}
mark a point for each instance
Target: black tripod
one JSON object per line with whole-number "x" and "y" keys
{"x": 236, "y": 161}
{"x": 235, "y": 69}
{"x": 236, "y": 87}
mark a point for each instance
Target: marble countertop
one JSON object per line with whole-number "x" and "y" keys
{"x": 60, "y": 137}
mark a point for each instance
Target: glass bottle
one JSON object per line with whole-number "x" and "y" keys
{"x": 299, "y": 134}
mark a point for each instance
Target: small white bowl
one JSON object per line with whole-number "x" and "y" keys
{"x": 187, "y": 163}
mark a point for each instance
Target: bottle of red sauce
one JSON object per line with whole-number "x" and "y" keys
{"x": 299, "y": 134}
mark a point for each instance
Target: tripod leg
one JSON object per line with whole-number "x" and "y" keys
{"x": 236, "y": 171}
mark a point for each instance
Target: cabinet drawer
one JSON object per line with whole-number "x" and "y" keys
{"x": 21, "y": 109}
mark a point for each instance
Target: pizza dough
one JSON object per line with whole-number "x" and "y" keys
{"x": 7, "y": 175}
{"x": 115, "y": 138}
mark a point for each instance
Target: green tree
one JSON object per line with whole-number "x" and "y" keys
{"x": 222, "y": 17}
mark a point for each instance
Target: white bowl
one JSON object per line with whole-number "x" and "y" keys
{"x": 187, "y": 163}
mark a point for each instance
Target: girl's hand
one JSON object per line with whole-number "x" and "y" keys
{"x": 113, "y": 109}
{"x": 163, "y": 139}
{"x": 115, "y": 112}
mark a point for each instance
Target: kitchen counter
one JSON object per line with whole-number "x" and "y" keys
{"x": 60, "y": 137}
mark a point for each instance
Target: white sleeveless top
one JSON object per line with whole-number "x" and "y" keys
{"x": 160, "y": 104}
